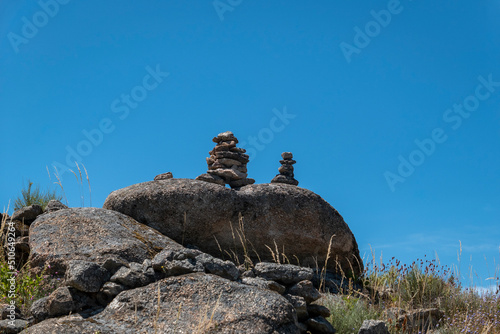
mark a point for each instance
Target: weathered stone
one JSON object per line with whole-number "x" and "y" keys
{"x": 286, "y": 169}
{"x": 227, "y": 136}
{"x": 287, "y": 155}
{"x": 54, "y": 205}
{"x": 192, "y": 303}
{"x": 227, "y": 173}
{"x": 66, "y": 300}
{"x": 306, "y": 290}
{"x": 373, "y": 327}
{"x": 39, "y": 309}
{"x": 284, "y": 179}
{"x": 242, "y": 158}
{"x": 288, "y": 162}
{"x": 215, "y": 266}
{"x": 320, "y": 325}
{"x": 13, "y": 326}
{"x": 211, "y": 178}
{"x": 264, "y": 284}
{"x": 184, "y": 261}
{"x": 300, "y": 306}
{"x": 241, "y": 183}
{"x": 109, "y": 291}
{"x": 296, "y": 219}
{"x": 238, "y": 150}
{"x": 93, "y": 235}
{"x": 316, "y": 310}
{"x": 85, "y": 276}
{"x": 285, "y": 273}
{"x": 21, "y": 229}
{"x": 9, "y": 310}
{"x": 302, "y": 328}
{"x": 131, "y": 277}
{"x": 28, "y": 214}
{"x": 164, "y": 176}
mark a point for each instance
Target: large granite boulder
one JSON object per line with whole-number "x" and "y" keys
{"x": 107, "y": 238}
{"x": 194, "y": 303}
{"x": 289, "y": 219}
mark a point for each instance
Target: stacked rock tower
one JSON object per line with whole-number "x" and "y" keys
{"x": 286, "y": 170}
{"x": 227, "y": 163}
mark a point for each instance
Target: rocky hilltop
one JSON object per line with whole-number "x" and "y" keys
{"x": 188, "y": 256}
{"x": 270, "y": 218}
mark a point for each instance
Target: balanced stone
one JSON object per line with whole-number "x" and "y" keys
{"x": 227, "y": 163}
{"x": 286, "y": 170}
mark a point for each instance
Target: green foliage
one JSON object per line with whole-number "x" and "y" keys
{"x": 348, "y": 313}
{"x": 33, "y": 195}
{"x": 29, "y": 287}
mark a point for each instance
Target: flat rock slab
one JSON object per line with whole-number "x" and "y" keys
{"x": 291, "y": 219}
{"x": 94, "y": 235}
{"x": 194, "y": 303}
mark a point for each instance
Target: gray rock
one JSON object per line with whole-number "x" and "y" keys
{"x": 13, "y": 326}
{"x": 93, "y": 235}
{"x": 184, "y": 261}
{"x": 85, "y": 276}
{"x": 109, "y": 291}
{"x": 316, "y": 310}
{"x": 264, "y": 284}
{"x": 28, "y": 214}
{"x": 39, "y": 309}
{"x": 71, "y": 324}
{"x": 287, "y": 155}
{"x": 9, "y": 310}
{"x": 211, "y": 178}
{"x": 268, "y": 211}
{"x": 132, "y": 276}
{"x": 285, "y": 273}
{"x": 302, "y": 328}
{"x": 227, "y": 136}
{"x": 66, "y": 300}
{"x": 285, "y": 179}
{"x": 300, "y": 306}
{"x": 373, "y": 327}
{"x": 320, "y": 325}
{"x": 213, "y": 265}
{"x": 164, "y": 176}
{"x": 54, "y": 205}
{"x": 177, "y": 262}
{"x": 191, "y": 303}
{"x": 306, "y": 290}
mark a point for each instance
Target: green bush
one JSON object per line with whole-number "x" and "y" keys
{"x": 33, "y": 195}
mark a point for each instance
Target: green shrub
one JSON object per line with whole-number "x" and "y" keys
{"x": 348, "y": 312}
{"x": 33, "y": 195}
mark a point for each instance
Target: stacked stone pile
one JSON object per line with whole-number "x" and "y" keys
{"x": 286, "y": 170}
{"x": 227, "y": 163}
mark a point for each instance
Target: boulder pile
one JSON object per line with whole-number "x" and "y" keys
{"x": 286, "y": 170}
{"x": 227, "y": 163}
{"x": 119, "y": 276}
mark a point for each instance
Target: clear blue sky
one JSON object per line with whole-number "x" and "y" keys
{"x": 347, "y": 86}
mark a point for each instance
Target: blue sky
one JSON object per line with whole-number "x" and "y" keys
{"x": 391, "y": 108}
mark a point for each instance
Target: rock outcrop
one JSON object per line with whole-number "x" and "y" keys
{"x": 286, "y": 170}
{"x": 194, "y": 303}
{"x": 284, "y": 219}
{"x": 227, "y": 163}
{"x": 107, "y": 238}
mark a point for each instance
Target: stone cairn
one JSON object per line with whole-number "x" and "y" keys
{"x": 227, "y": 163}
{"x": 286, "y": 170}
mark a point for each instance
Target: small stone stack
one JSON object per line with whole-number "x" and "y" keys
{"x": 286, "y": 170}
{"x": 227, "y": 163}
